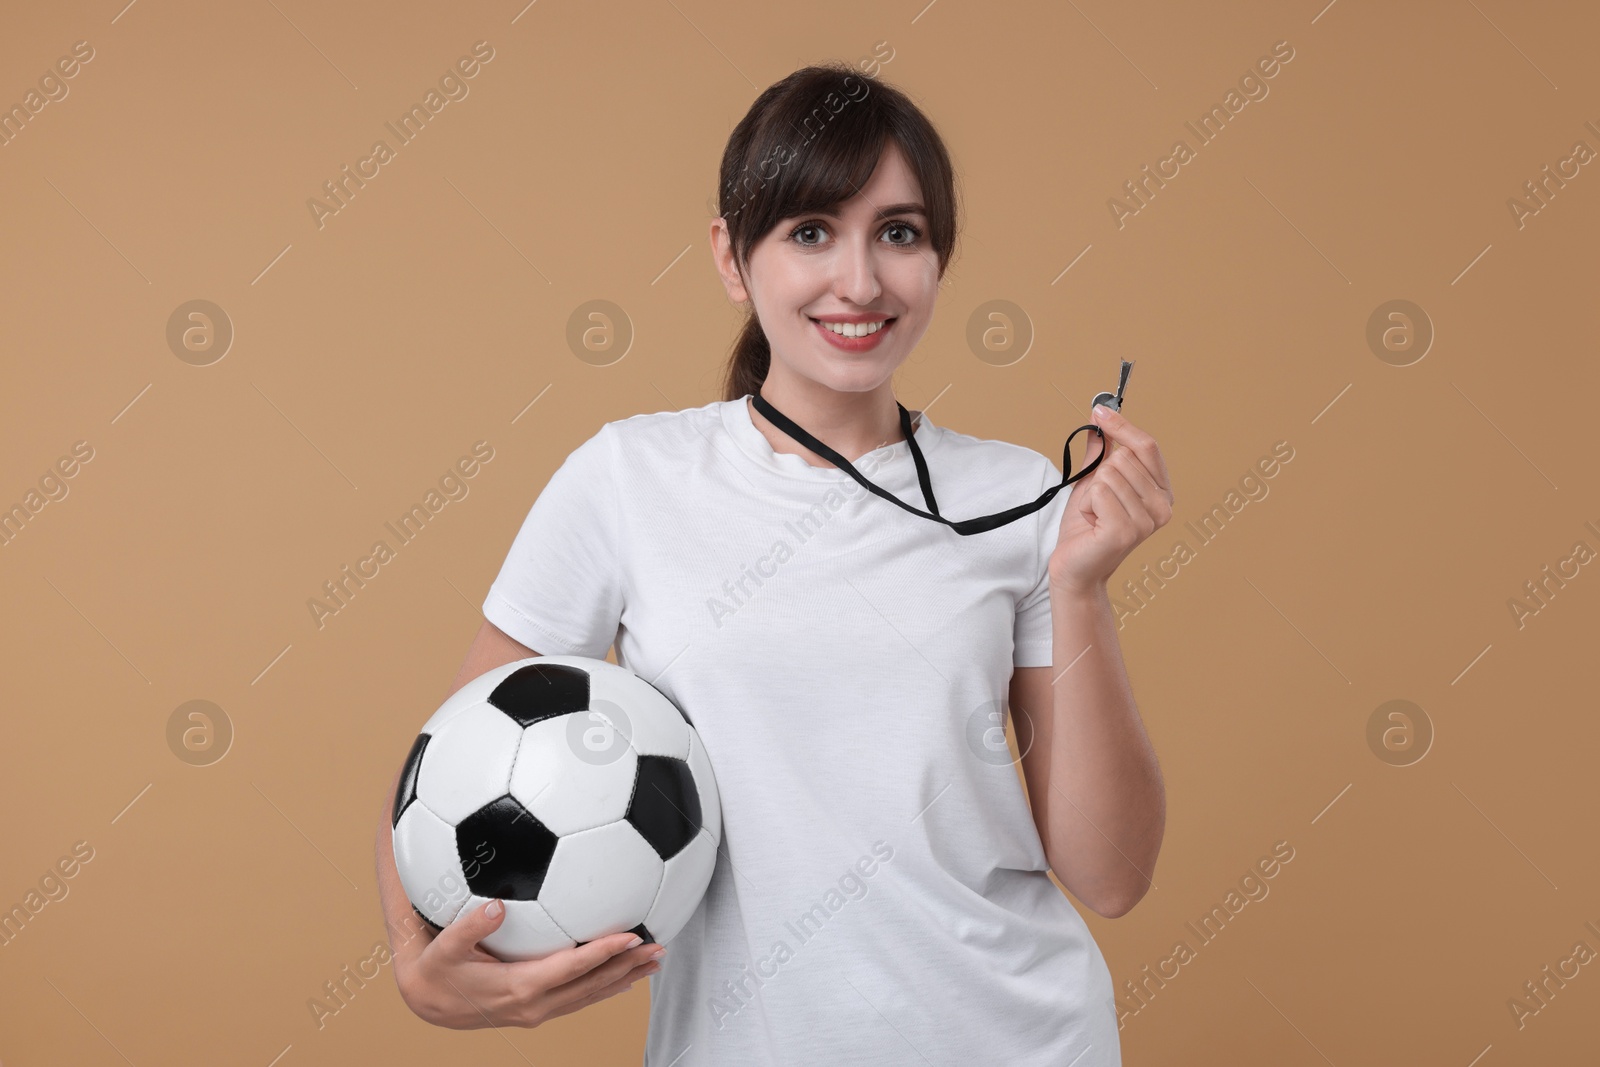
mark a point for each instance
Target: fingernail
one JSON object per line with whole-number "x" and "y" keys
{"x": 658, "y": 953}
{"x": 637, "y": 940}
{"x": 494, "y": 909}
{"x": 1100, "y": 412}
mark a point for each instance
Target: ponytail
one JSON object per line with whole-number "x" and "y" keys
{"x": 747, "y": 367}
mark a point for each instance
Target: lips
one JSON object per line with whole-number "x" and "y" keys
{"x": 855, "y": 344}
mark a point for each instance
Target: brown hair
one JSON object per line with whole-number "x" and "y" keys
{"x": 842, "y": 123}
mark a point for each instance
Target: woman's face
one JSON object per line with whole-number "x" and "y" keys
{"x": 867, "y": 260}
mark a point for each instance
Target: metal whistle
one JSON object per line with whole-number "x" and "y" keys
{"x": 1114, "y": 400}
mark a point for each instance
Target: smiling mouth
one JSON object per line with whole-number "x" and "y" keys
{"x": 854, "y": 329}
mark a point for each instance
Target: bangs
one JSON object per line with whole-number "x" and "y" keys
{"x": 810, "y": 159}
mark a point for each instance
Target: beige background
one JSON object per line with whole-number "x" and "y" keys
{"x": 428, "y": 314}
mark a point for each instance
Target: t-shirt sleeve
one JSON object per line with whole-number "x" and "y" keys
{"x": 1033, "y": 641}
{"x": 559, "y": 590}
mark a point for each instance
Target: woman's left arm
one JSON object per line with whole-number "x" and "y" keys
{"x": 1093, "y": 780}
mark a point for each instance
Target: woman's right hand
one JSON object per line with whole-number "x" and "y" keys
{"x": 454, "y": 982}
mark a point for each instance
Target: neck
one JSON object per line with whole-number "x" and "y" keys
{"x": 852, "y": 424}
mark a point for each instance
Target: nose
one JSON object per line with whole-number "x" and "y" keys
{"x": 855, "y": 271}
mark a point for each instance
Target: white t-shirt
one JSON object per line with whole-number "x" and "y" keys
{"x": 881, "y": 895}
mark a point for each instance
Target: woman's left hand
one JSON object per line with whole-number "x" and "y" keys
{"x": 1127, "y": 498}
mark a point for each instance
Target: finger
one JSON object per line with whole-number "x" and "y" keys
{"x": 1103, "y": 503}
{"x": 606, "y": 974}
{"x": 1133, "y": 518}
{"x": 1145, "y": 448}
{"x": 1126, "y": 437}
{"x": 461, "y": 936}
{"x": 621, "y": 985}
{"x": 1155, "y": 500}
{"x": 597, "y": 986}
{"x": 1121, "y": 431}
{"x": 533, "y": 995}
{"x": 587, "y": 961}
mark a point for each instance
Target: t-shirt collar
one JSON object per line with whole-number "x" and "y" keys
{"x": 751, "y": 441}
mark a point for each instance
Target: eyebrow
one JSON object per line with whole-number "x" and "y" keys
{"x": 892, "y": 209}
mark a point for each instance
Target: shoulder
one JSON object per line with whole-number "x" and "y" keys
{"x": 647, "y": 439}
{"x": 664, "y": 426}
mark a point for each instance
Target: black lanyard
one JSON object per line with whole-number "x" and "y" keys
{"x": 964, "y": 526}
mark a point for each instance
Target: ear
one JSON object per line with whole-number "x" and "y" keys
{"x": 722, "y": 256}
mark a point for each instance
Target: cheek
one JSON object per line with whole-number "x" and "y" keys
{"x": 787, "y": 286}
{"x": 915, "y": 280}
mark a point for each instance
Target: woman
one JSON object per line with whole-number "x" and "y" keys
{"x": 881, "y": 893}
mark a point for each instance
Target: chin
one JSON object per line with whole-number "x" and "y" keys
{"x": 862, "y": 378}
{"x": 854, "y": 373}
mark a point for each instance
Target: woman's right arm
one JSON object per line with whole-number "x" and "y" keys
{"x": 446, "y": 978}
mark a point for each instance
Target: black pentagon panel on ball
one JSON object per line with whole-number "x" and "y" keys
{"x": 640, "y": 930}
{"x": 665, "y": 808}
{"x": 406, "y": 791}
{"x": 504, "y": 850}
{"x": 541, "y": 691}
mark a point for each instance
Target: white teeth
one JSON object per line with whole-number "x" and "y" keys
{"x": 852, "y": 329}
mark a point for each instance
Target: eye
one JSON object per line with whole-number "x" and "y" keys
{"x": 804, "y": 226}
{"x": 916, "y": 234}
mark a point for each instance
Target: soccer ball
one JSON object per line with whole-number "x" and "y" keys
{"x": 570, "y": 788}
